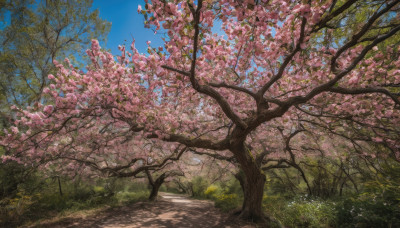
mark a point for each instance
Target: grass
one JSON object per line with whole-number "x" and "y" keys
{"x": 28, "y": 209}
{"x": 91, "y": 207}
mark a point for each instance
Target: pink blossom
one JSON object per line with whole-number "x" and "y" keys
{"x": 48, "y": 109}
{"x": 95, "y": 45}
{"x": 14, "y": 130}
{"x": 35, "y": 117}
{"x": 112, "y": 101}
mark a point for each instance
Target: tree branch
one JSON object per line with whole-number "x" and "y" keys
{"x": 355, "y": 91}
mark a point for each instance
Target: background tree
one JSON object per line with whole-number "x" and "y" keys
{"x": 34, "y": 33}
{"x": 156, "y": 180}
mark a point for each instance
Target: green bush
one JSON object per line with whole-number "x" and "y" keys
{"x": 29, "y": 204}
{"x": 163, "y": 188}
{"x": 99, "y": 190}
{"x": 199, "y": 186}
{"x": 232, "y": 186}
{"x": 301, "y": 212}
{"x": 367, "y": 212}
{"x": 227, "y": 202}
{"x": 211, "y": 191}
{"x": 377, "y": 206}
{"x": 224, "y": 198}
{"x": 130, "y": 197}
{"x": 133, "y": 186}
{"x": 11, "y": 209}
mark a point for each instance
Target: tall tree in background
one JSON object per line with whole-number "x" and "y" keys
{"x": 33, "y": 34}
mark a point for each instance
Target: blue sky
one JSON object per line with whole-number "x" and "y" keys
{"x": 127, "y": 23}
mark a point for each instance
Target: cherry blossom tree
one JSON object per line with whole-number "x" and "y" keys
{"x": 156, "y": 183}
{"x": 228, "y": 70}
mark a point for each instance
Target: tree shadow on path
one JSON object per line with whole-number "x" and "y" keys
{"x": 170, "y": 211}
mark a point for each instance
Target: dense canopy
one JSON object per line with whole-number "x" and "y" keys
{"x": 259, "y": 83}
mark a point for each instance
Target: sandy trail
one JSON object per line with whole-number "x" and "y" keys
{"x": 171, "y": 210}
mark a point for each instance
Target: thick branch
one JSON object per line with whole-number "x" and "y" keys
{"x": 153, "y": 167}
{"x": 198, "y": 142}
{"x": 234, "y": 87}
{"x": 192, "y": 74}
{"x": 354, "y": 40}
{"x": 323, "y": 23}
{"x": 327, "y": 86}
{"x": 287, "y": 60}
{"x": 355, "y": 91}
{"x": 214, "y": 155}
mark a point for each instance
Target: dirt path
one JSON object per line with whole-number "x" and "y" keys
{"x": 171, "y": 210}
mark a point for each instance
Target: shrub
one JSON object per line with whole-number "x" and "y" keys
{"x": 13, "y": 209}
{"x": 232, "y": 186}
{"x": 223, "y": 194}
{"x": 367, "y": 212}
{"x": 199, "y": 186}
{"x": 301, "y": 212}
{"x": 227, "y": 202}
{"x": 29, "y": 205}
{"x": 99, "y": 190}
{"x": 130, "y": 197}
{"x": 378, "y": 205}
{"x": 223, "y": 199}
{"x": 134, "y": 186}
{"x": 211, "y": 191}
{"x": 163, "y": 188}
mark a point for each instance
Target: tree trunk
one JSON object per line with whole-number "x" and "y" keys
{"x": 240, "y": 177}
{"x": 154, "y": 191}
{"x": 155, "y": 184}
{"x": 253, "y": 195}
{"x": 59, "y": 186}
{"x": 253, "y": 184}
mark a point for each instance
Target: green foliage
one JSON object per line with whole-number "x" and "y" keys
{"x": 170, "y": 188}
{"x": 387, "y": 184}
{"x": 227, "y": 202}
{"x": 275, "y": 184}
{"x": 163, "y": 188}
{"x": 226, "y": 195}
{"x": 37, "y": 33}
{"x": 77, "y": 195}
{"x": 12, "y": 175}
{"x": 211, "y": 191}
{"x": 223, "y": 198}
{"x": 131, "y": 197}
{"x": 99, "y": 190}
{"x": 11, "y": 209}
{"x": 377, "y": 206}
{"x": 199, "y": 186}
{"x": 300, "y": 212}
{"x": 367, "y": 212}
{"x": 232, "y": 186}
